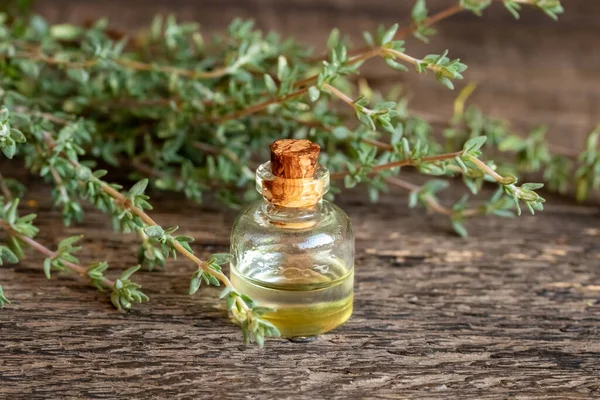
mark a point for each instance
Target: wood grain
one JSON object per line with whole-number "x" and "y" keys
{"x": 513, "y": 312}
{"x": 532, "y": 71}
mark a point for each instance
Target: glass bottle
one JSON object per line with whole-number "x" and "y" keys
{"x": 294, "y": 251}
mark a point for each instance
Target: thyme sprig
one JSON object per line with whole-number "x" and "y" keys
{"x": 21, "y": 231}
{"x": 127, "y": 210}
{"x": 182, "y": 113}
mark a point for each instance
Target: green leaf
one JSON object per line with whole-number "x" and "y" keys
{"x": 171, "y": 230}
{"x": 471, "y": 184}
{"x": 83, "y": 173}
{"x": 532, "y": 186}
{"x": 512, "y": 143}
{"x": 503, "y": 213}
{"x": 434, "y": 186}
{"x": 368, "y": 39}
{"x": 270, "y": 84}
{"x": 460, "y": 229}
{"x": 475, "y": 6}
{"x": 9, "y": 148}
{"x": 125, "y": 303}
{"x": 213, "y": 280}
{"x": 80, "y": 75}
{"x": 47, "y": 267}
{"x": 128, "y": 272}
{"x": 3, "y": 299}
{"x": 341, "y": 132}
{"x": 184, "y": 239}
{"x": 65, "y": 31}
{"x": 508, "y": 179}
{"x": 461, "y": 164}
{"x": 248, "y": 300}
{"x": 366, "y": 120}
{"x": 474, "y": 144}
{"x": 154, "y": 231}
{"x": 4, "y": 114}
{"x": 395, "y": 65}
{"x": 138, "y": 188}
{"x": 7, "y": 255}
{"x": 259, "y": 310}
{"x": 446, "y": 82}
{"x": 15, "y": 246}
{"x": 69, "y": 241}
{"x": 215, "y": 267}
{"x": 269, "y": 327}
{"x": 313, "y": 93}
{"x": 405, "y": 147}
{"x": 282, "y": 68}
{"x": 96, "y": 270}
{"x": 350, "y": 181}
{"x": 516, "y": 200}
{"x": 115, "y": 300}
{"x": 419, "y": 11}
{"x": 334, "y": 39}
{"x": 260, "y": 340}
{"x": 195, "y": 283}
{"x": 99, "y": 173}
{"x": 17, "y": 135}
{"x": 246, "y": 332}
{"x": 388, "y": 36}
{"x": 225, "y": 292}
{"x": 513, "y": 7}
{"x": 219, "y": 258}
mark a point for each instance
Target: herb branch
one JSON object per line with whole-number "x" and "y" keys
{"x": 181, "y": 113}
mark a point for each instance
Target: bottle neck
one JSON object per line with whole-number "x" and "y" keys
{"x": 305, "y": 193}
{"x": 292, "y": 217}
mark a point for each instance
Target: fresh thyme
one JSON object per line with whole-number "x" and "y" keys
{"x": 181, "y": 113}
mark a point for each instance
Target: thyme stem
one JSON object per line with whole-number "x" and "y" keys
{"x": 405, "y": 32}
{"x": 485, "y": 168}
{"x": 82, "y": 271}
{"x": 340, "y": 95}
{"x": 431, "y": 201}
{"x": 254, "y": 109}
{"x": 131, "y": 64}
{"x": 126, "y": 204}
{"x": 43, "y": 115}
{"x": 403, "y": 163}
{"x": 59, "y": 184}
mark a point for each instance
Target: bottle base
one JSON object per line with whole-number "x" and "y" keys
{"x": 306, "y": 323}
{"x": 301, "y": 310}
{"x": 313, "y": 320}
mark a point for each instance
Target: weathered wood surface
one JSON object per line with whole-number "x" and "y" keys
{"x": 533, "y": 71}
{"x": 511, "y": 312}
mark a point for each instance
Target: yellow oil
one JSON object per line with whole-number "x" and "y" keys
{"x": 303, "y": 307}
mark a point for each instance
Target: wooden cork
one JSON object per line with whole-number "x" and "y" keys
{"x": 294, "y": 159}
{"x": 293, "y": 164}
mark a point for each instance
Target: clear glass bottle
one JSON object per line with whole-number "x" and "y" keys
{"x": 295, "y": 256}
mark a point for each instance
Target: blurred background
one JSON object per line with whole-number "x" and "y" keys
{"x": 532, "y": 72}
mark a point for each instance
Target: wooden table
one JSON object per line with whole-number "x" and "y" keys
{"x": 511, "y": 312}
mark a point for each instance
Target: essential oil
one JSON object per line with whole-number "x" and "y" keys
{"x": 306, "y": 303}
{"x": 294, "y": 251}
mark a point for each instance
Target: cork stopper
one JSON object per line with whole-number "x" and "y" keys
{"x": 293, "y": 166}
{"x": 294, "y": 159}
